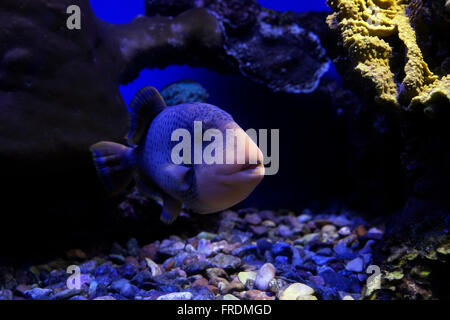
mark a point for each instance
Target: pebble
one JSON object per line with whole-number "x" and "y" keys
{"x": 281, "y": 249}
{"x": 335, "y": 280}
{"x": 66, "y": 294}
{"x": 88, "y": 266}
{"x": 349, "y": 240}
{"x": 284, "y": 231}
{"x": 367, "y": 257}
{"x": 269, "y": 224}
{"x": 21, "y": 288}
{"x": 325, "y": 259}
{"x": 296, "y": 290}
{"x": 226, "y": 261}
{"x": 127, "y": 270}
{"x": 204, "y": 247}
{"x": 321, "y": 260}
{"x": 267, "y": 215}
{"x": 319, "y": 223}
{"x": 233, "y": 286}
{"x": 247, "y": 278}
{"x": 329, "y": 228}
{"x": 317, "y": 280}
{"x": 124, "y": 287}
{"x": 253, "y": 218}
{"x": 265, "y": 274}
{"x": 259, "y": 230}
{"x": 257, "y": 295}
{"x": 216, "y": 272}
{"x": 324, "y": 252}
{"x": 264, "y": 245}
{"x": 149, "y": 251}
{"x": 344, "y": 231}
{"x": 230, "y": 297}
{"x": 304, "y": 218}
{"x": 281, "y": 260}
{"x": 154, "y": 268}
{"x": 38, "y": 294}
{"x": 275, "y": 285}
{"x": 105, "y": 298}
{"x": 190, "y": 248}
{"x": 197, "y": 267}
{"x": 308, "y": 297}
{"x": 206, "y": 235}
{"x": 367, "y": 247}
{"x": 132, "y": 260}
{"x": 141, "y": 277}
{"x": 117, "y": 258}
{"x": 171, "y": 248}
{"x": 245, "y": 250}
{"x": 360, "y": 230}
{"x": 6, "y": 294}
{"x": 199, "y": 281}
{"x": 105, "y": 274}
{"x": 78, "y": 298}
{"x": 202, "y": 282}
{"x": 201, "y": 293}
{"x": 176, "y": 296}
{"x": 374, "y": 233}
{"x": 308, "y": 238}
{"x": 219, "y": 282}
{"x": 343, "y": 252}
{"x": 341, "y": 221}
{"x": 355, "y": 265}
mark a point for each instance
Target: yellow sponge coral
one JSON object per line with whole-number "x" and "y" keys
{"x": 363, "y": 24}
{"x": 433, "y": 94}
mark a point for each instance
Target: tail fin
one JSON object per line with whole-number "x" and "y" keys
{"x": 114, "y": 165}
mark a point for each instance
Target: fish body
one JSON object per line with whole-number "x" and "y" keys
{"x": 202, "y": 187}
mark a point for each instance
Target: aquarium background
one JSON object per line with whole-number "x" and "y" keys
{"x": 312, "y": 138}
{"x": 361, "y": 182}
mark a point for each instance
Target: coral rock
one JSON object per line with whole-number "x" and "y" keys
{"x": 365, "y": 27}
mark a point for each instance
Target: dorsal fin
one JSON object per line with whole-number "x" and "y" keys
{"x": 145, "y": 106}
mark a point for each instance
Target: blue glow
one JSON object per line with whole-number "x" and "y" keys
{"x": 295, "y": 5}
{"x": 118, "y": 11}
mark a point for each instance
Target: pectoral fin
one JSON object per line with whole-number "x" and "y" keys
{"x": 182, "y": 176}
{"x": 171, "y": 209}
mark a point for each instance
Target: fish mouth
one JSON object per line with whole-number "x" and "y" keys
{"x": 251, "y": 168}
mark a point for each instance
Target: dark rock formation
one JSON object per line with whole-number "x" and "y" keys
{"x": 58, "y": 95}
{"x": 59, "y": 92}
{"x": 235, "y": 36}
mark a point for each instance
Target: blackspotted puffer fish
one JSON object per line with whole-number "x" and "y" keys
{"x": 201, "y": 187}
